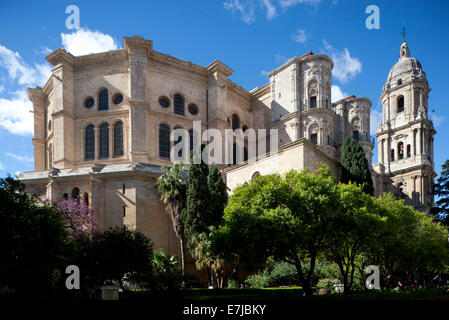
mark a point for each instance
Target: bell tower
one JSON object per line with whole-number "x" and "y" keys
{"x": 405, "y": 136}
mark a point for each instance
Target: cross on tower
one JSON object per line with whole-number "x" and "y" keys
{"x": 403, "y": 33}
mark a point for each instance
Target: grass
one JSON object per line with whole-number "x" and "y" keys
{"x": 285, "y": 295}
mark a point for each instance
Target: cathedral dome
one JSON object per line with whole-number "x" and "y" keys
{"x": 407, "y": 68}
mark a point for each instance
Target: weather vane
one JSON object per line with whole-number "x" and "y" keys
{"x": 403, "y": 33}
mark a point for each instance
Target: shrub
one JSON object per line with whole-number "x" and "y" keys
{"x": 277, "y": 274}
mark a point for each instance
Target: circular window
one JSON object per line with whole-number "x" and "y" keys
{"x": 89, "y": 102}
{"x": 118, "y": 98}
{"x": 193, "y": 109}
{"x": 164, "y": 102}
{"x": 49, "y": 125}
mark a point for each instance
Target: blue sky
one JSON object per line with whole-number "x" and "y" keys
{"x": 250, "y": 36}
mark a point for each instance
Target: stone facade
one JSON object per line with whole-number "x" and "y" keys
{"x": 98, "y": 120}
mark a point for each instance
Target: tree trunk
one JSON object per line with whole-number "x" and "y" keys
{"x": 305, "y": 281}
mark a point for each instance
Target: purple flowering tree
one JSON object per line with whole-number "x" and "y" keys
{"x": 80, "y": 219}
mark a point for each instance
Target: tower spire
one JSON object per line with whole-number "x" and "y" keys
{"x": 403, "y": 34}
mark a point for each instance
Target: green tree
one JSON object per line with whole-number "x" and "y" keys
{"x": 33, "y": 241}
{"x": 173, "y": 187}
{"x": 218, "y": 196}
{"x": 355, "y": 228}
{"x": 112, "y": 254}
{"x": 288, "y": 218}
{"x": 195, "y": 216}
{"x": 441, "y": 190}
{"x": 355, "y": 166}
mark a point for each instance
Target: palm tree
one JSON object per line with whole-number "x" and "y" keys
{"x": 173, "y": 188}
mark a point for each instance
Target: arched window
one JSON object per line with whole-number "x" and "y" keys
{"x": 400, "y": 150}
{"x": 255, "y": 175}
{"x": 65, "y": 196}
{"x": 90, "y": 143}
{"x": 314, "y": 138}
{"x": 118, "y": 139}
{"x": 313, "y": 92}
{"x": 103, "y": 100}
{"x": 409, "y": 151}
{"x": 76, "y": 194}
{"x": 392, "y": 154}
{"x": 178, "y": 102}
{"x": 235, "y": 122}
{"x": 355, "y": 135}
{"x": 164, "y": 141}
{"x": 400, "y": 104}
{"x": 86, "y": 198}
{"x": 104, "y": 141}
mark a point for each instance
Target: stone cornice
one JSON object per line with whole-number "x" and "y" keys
{"x": 170, "y": 61}
{"x": 138, "y": 43}
{"x": 60, "y": 56}
{"x": 219, "y": 67}
{"x": 37, "y": 96}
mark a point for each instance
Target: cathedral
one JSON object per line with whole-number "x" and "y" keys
{"x": 103, "y": 128}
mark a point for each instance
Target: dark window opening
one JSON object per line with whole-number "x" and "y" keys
{"x": 312, "y": 103}
{"x": 401, "y": 104}
{"x": 400, "y": 150}
{"x": 90, "y": 143}
{"x": 178, "y": 102}
{"x": 409, "y": 151}
{"x": 76, "y": 195}
{"x": 86, "y": 198}
{"x": 314, "y": 138}
{"x": 164, "y": 141}
{"x": 118, "y": 139}
{"x": 392, "y": 154}
{"x": 355, "y": 135}
{"x": 103, "y": 103}
{"x": 65, "y": 196}
{"x": 89, "y": 102}
{"x": 193, "y": 109}
{"x": 118, "y": 98}
{"x": 235, "y": 122}
{"x": 123, "y": 188}
{"x": 164, "y": 102}
{"x": 104, "y": 141}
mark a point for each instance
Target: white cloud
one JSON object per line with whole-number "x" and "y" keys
{"x": 18, "y": 70}
{"x": 271, "y": 9}
{"x": 84, "y": 41}
{"x": 245, "y": 8}
{"x": 290, "y": 3}
{"x": 337, "y": 93}
{"x": 46, "y": 50}
{"x": 300, "y": 35}
{"x": 15, "y": 115}
{"x": 264, "y": 73}
{"x": 2, "y": 167}
{"x": 345, "y": 66}
{"x": 436, "y": 119}
{"x": 375, "y": 119}
{"x": 19, "y": 157}
{"x": 280, "y": 58}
